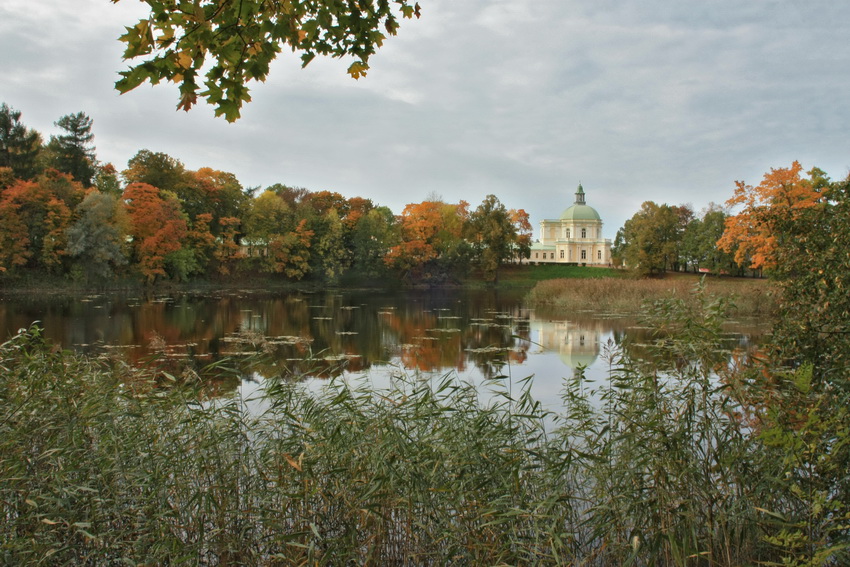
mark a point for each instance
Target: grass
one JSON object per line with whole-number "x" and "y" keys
{"x": 750, "y": 297}
{"x": 105, "y": 464}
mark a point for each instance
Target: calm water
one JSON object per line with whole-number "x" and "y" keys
{"x": 359, "y": 336}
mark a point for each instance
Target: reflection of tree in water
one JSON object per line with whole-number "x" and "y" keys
{"x": 325, "y": 333}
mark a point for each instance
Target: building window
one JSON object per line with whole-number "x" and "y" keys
{"x": 552, "y": 255}
{"x": 598, "y": 233}
{"x": 584, "y": 233}
{"x": 599, "y": 254}
{"x": 584, "y": 254}
{"x": 568, "y": 233}
{"x": 536, "y": 255}
{"x": 562, "y": 254}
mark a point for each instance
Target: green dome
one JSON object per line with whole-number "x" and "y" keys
{"x": 580, "y": 213}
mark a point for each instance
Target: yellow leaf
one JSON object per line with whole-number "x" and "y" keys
{"x": 49, "y": 522}
{"x": 358, "y": 69}
{"x": 295, "y": 464}
{"x": 184, "y": 60}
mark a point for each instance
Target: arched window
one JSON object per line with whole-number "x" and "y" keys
{"x": 584, "y": 233}
{"x": 568, "y": 233}
{"x": 599, "y": 254}
{"x": 584, "y": 254}
{"x": 562, "y": 254}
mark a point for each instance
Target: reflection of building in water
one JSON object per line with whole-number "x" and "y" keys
{"x": 577, "y": 342}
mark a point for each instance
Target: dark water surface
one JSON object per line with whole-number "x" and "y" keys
{"x": 355, "y": 335}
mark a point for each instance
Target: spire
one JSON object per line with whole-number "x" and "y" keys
{"x": 580, "y": 195}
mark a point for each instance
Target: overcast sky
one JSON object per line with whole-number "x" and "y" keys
{"x": 670, "y": 101}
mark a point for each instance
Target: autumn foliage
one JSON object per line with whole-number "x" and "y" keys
{"x": 781, "y": 196}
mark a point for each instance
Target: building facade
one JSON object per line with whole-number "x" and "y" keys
{"x": 574, "y": 238}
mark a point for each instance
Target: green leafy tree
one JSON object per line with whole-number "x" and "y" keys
{"x": 106, "y": 180}
{"x": 649, "y": 241}
{"x": 801, "y": 395}
{"x": 330, "y": 253}
{"x": 73, "y": 152}
{"x": 157, "y": 169}
{"x": 373, "y": 236}
{"x": 97, "y": 240}
{"x": 699, "y": 243}
{"x": 493, "y": 235}
{"x": 19, "y": 146}
{"x": 231, "y": 43}
{"x": 812, "y": 266}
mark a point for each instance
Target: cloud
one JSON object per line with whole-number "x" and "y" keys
{"x": 670, "y": 102}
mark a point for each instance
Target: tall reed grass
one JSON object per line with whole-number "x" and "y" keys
{"x": 104, "y": 464}
{"x": 619, "y": 295}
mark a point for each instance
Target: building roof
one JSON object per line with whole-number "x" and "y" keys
{"x": 579, "y": 211}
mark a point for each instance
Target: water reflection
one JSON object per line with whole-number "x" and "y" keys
{"x": 366, "y": 335}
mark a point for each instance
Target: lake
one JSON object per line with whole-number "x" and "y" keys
{"x": 355, "y": 335}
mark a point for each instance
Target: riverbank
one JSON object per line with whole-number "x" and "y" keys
{"x": 510, "y": 277}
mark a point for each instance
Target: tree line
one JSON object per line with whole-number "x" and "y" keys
{"x": 660, "y": 238}
{"x": 64, "y": 213}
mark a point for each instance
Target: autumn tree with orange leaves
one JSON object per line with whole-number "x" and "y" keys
{"x": 34, "y": 216}
{"x": 751, "y": 235}
{"x": 157, "y": 225}
{"x": 432, "y": 240}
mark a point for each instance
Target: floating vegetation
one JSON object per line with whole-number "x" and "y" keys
{"x": 347, "y": 333}
{"x": 340, "y": 357}
{"x": 488, "y": 349}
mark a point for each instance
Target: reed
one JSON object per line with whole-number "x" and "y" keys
{"x": 104, "y": 464}
{"x": 628, "y": 295}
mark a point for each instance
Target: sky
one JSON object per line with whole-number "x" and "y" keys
{"x": 637, "y": 100}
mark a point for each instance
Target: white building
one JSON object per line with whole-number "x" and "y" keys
{"x": 574, "y": 238}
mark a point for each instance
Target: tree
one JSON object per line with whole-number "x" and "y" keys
{"x": 267, "y": 216}
{"x": 106, "y": 180}
{"x": 233, "y": 43}
{"x": 157, "y": 169}
{"x": 290, "y": 253}
{"x": 432, "y": 244}
{"x": 811, "y": 263}
{"x": 373, "y": 236}
{"x": 649, "y": 241}
{"x": 211, "y": 191}
{"x": 494, "y": 235}
{"x": 34, "y": 216}
{"x": 72, "y": 151}
{"x": 158, "y": 226}
{"x": 781, "y": 196}
{"x": 699, "y": 243}
{"x": 97, "y": 239}
{"x": 226, "y": 246}
{"x": 332, "y": 256}
{"x": 19, "y": 146}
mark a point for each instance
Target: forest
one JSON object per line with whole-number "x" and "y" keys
{"x": 65, "y": 214}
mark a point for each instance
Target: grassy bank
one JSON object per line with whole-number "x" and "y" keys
{"x": 105, "y": 464}
{"x": 749, "y": 297}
